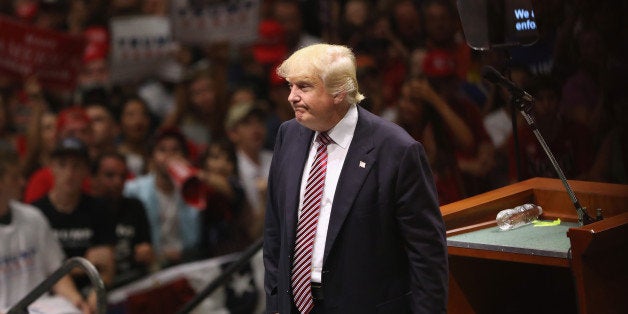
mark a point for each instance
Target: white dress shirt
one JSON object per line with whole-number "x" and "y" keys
{"x": 341, "y": 134}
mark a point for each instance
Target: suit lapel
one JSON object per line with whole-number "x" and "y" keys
{"x": 357, "y": 165}
{"x": 297, "y": 156}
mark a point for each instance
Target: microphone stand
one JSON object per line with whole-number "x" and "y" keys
{"x": 525, "y": 107}
{"x": 515, "y": 137}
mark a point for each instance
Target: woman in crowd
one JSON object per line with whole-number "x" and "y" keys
{"x": 135, "y": 122}
{"x": 199, "y": 109}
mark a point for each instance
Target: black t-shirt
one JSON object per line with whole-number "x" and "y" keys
{"x": 89, "y": 225}
{"x": 132, "y": 228}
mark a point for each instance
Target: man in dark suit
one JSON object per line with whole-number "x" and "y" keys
{"x": 352, "y": 223}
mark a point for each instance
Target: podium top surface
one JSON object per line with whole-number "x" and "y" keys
{"x": 551, "y": 241}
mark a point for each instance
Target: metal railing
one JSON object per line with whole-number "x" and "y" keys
{"x": 22, "y": 306}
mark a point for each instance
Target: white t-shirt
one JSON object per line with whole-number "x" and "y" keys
{"x": 29, "y": 253}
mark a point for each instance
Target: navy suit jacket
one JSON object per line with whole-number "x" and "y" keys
{"x": 385, "y": 250}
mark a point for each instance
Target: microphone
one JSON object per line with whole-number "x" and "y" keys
{"x": 493, "y": 76}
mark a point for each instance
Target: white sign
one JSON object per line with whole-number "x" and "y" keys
{"x": 235, "y": 21}
{"x": 142, "y": 47}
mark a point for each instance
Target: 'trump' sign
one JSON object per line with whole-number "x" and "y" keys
{"x": 233, "y": 21}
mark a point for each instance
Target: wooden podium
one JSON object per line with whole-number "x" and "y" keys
{"x": 556, "y": 269}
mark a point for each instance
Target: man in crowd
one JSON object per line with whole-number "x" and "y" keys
{"x": 80, "y": 222}
{"x": 29, "y": 251}
{"x": 247, "y": 131}
{"x": 175, "y": 227}
{"x": 105, "y": 128}
{"x": 134, "y": 252}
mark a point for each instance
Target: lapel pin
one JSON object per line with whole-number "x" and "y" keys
{"x": 362, "y": 164}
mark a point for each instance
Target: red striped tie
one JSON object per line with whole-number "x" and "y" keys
{"x": 306, "y": 228}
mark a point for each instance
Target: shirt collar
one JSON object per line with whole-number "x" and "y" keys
{"x": 342, "y": 132}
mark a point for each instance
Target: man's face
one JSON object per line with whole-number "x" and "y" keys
{"x": 313, "y": 106}
{"x": 202, "y": 95}
{"x": 249, "y": 134}
{"x": 109, "y": 180}
{"x": 168, "y": 148}
{"x": 104, "y": 128}
{"x": 438, "y": 24}
{"x": 95, "y": 72}
{"x": 69, "y": 172}
{"x": 408, "y": 19}
{"x": 135, "y": 121}
{"x": 289, "y": 16}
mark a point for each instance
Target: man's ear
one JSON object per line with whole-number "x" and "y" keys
{"x": 339, "y": 97}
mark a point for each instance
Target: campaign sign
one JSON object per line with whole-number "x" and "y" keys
{"x": 141, "y": 47}
{"x": 235, "y": 21}
{"x": 54, "y": 57}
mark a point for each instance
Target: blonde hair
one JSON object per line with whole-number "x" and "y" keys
{"x": 333, "y": 64}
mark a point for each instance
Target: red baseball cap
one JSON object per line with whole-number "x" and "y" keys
{"x": 70, "y": 116}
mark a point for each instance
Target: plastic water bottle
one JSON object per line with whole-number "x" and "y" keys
{"x": 512, "y": 218}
